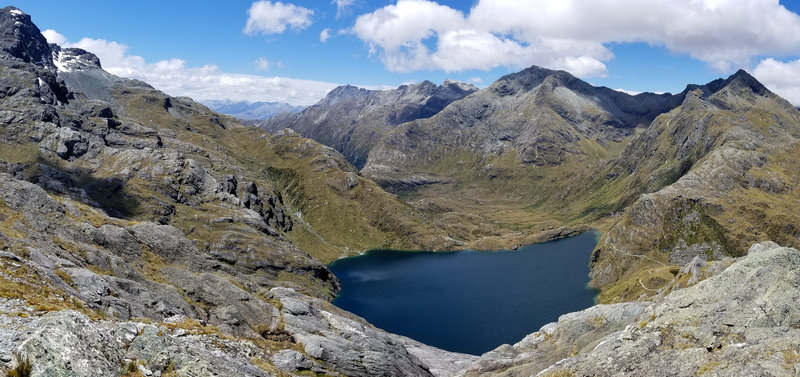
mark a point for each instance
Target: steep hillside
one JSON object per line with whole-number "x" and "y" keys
{"x": 509, "y": 164}
{"x": 537, "y": 116}
{"x": 717, "y": 174}
{"x": 352, "y": 120}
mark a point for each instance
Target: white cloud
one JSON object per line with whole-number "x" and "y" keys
{"x": 54, "y": 37}
{"x": 572, "y": 35}
{"x": 341, "y": 6}
{"x": 175, "y": 78}
{"x": 631, "y": 92}
{"x": 475, "y": 80}
{"x": 783, "y": 78}
{"x": 266, "y": 17}
{"x": 324, "y": 35}
{"x": 262, "y": 63}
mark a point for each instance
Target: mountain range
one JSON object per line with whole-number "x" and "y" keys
{"x": 352, "y": 120}
{"x": 542, "y": 141}
{"x": 251, "y": 110}
{"x": 143, "y": 234}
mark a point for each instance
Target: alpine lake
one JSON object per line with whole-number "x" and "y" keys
{"x": 468, "y": 301}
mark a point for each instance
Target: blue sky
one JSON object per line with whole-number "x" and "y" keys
{"x": 204, "y": 49}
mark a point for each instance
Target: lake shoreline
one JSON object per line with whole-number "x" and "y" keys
{"x": 435, "y": 297}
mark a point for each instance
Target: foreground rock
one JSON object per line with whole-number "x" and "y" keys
{"x": 745, "y": 321}
{"x": 355, "y": 347}
{"x": 153, "y": 288}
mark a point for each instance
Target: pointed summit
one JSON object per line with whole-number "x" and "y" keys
{"x": 534, "y": 76}
{"x": 21, "y": 40}
{"x": 742, "y": 79}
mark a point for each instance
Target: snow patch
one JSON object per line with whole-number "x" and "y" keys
{"x": 60, "y": 64}
{"x": 16, "y": 12}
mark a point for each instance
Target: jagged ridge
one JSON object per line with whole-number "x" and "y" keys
{"x": 352, "y": 120}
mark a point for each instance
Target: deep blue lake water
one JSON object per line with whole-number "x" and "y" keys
{"x": 468, "y": 301}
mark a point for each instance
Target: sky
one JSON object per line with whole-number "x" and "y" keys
{"x": 295, "y": 51}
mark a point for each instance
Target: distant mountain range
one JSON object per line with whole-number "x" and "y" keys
{"x": 251, "y": 110}
{"x": 352, "y": 120}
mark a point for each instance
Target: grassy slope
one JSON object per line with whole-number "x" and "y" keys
{"x": 330, "y": 219}
{"x": 739, "y": 188}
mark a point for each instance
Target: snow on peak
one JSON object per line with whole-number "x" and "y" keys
{"x": 74, "y": 59}
{"x": 58, "y": 60}
{"x": 16, "y": 12}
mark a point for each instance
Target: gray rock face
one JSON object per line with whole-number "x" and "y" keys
{"x": 68, "y": 343}
{"x": 351, "y": 346}
{"x": 165, "y": 240}
{"x": 21, "y": 39}
{"x": 745, "y": 321}
{"x": 291, "y": 360}
{"x": 27, "y": 197}
{"x": 573, "y": 333}
{"x": 352, "y": 120}
{"x": 73, "y": 59}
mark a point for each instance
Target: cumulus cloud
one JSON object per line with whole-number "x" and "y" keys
{"x": 783, "y": 78}
{"x": 175, "y": 77}
{"x": 266, "y": 17}
{"x": 54, "y": 37}
{"x": 572, "y": 35}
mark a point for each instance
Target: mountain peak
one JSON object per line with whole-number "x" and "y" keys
{"x": 534, "y": 76}
{"x": 21, "y": 40}
{"x": 458, "y": 85}
{"x": 345, "y": 91}
{"x": 742, "y": 79}
{"x": 73, "y": 59}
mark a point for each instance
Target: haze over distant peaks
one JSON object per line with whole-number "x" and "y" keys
{"x": 247, "y": 110}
